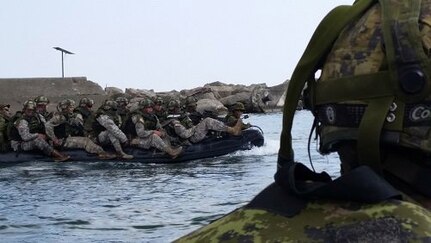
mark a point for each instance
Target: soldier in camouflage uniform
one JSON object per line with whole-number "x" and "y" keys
{"x": 184, "y": 128}
{"x": 88, "y": 115}
{"x": 192, "y": 113}
{"x": 122, "y": 110}
{"x": 371, "y": 106}
{"x": 5, "y": 116}
{"x": 107, "y": 126}
{"x": 41, "y": 107}
{"x": 159, "y": 109}
{"x": 66, "y": 130}
{"x": 147, "y": 132}
{"x": 235, "y": 113}
{"x": 28, "y": 133}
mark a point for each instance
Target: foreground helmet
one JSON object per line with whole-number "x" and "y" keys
{"x": 41, "y": 100}
{"x": 29, "y": 105}
{"x": 86, "y": 102}
{"x": 145, "y": 103}
{"x": 374, "y": 89}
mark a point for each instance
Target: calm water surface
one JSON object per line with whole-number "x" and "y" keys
{"x": 133, "y": 202}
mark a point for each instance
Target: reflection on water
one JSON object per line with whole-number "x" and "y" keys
{"x": 134, "y": 202}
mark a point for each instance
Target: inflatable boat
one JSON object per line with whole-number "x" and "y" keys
{"x": 211, "y": 146}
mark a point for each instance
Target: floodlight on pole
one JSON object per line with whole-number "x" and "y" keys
{"x": 63, "y": 51}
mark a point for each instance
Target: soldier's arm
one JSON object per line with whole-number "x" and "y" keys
{"x": 56, "y": 120}
{"x": 231, "y": 121}
{"x": 78, "y": 120}
{"x": 140, "y": 127}
{"x": 24, "y": 131}
{"x": 109, "y": 124}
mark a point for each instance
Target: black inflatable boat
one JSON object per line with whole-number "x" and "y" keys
{"x": 210, "y": 147}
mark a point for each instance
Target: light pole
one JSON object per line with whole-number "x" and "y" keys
{"x": 62, "y": 58}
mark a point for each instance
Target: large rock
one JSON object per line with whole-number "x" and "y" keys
{"x": 140, "y": 93}
{"x": 211, "y": 105}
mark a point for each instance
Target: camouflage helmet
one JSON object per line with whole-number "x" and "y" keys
{"x": 191, "y": 101}
{"x": 29, "y": 105}
{"x": 110, "y": 105}
{"x": 122, "y": 100}
{"x": 86, "y": 102}
{"x": 41, "y": 100}
{"x": 368, "y": 83}
{"x": 158, "y": 100}
{"x": 174, "y": 104}
{"x": 238, "y": 106}
{"x": 145, "y": 103}
{"x": 65, "y": 104}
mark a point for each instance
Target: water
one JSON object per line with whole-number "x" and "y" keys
{"x": 132, "y": 202}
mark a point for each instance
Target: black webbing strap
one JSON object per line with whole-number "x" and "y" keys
{"x": 361, "y": 184}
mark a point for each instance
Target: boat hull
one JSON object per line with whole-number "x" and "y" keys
{"x": 210, "y": 147}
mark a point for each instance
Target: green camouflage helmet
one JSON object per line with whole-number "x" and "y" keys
{"x": 238, "y": 107}
{"x": 145, "y": 103}
{"x": 191, "y": 101}
{"x": 41, "y": 100}
{"x": 122, "y": 101}
{"x": 110, "y": 105}
{"x": 173, "y": 104}
{"x": 158, "y": 100}
{"x": 29, "y": 105}
{"x": 86, "y": 102}
{"x": 65, "y": 104}
{"x": 374, "y": 88}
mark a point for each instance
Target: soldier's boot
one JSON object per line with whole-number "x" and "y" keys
{"x": 59, "y": 157}
{"x": 106, "y": 155}
{"x": 174, "y": 152}
{"x": 235, "y": 130}
{"x": 123, "y": 155}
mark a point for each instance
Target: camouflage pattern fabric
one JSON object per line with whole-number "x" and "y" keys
{"x": 82, "y": 143}
{"x": 146, "y": 138}
{"x": 360, "y": 50}
{"x": 4, "y": 144}
{"x": 58, "y": 119}
{"x": 198, "y": 132}
{"x": 322, "y": 221}
{"x": 89, "y": 118}
{"x": 71, "y": 142}
{"x": 112, "y": 135}
{"x": 30, "y": 140}
{"x": 47, "y": 115}
{"x": 231, "y": 121}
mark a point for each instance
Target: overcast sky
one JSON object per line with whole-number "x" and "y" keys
{"x": 158, "y": 44}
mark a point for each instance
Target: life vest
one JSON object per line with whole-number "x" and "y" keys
{"x": 89, "y": 118}
{"x": 67, "y": 129}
